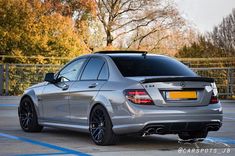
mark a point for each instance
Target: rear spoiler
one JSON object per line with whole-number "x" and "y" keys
{"x": 169, "y": 79}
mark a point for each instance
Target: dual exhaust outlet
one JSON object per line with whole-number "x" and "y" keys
{"x": 162, "y": 130}
{"x": 150, "y": 131}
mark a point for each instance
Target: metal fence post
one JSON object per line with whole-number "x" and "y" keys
{"x": 232, "y": 71}
{"x": 1, "y": 79}
{"x": 230, "y": 82}
{"x": 7, "y": 79}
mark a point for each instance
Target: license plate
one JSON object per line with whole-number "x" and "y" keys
{"x": 181, "y": 95}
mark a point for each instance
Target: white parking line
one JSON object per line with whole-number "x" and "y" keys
{"x": 230, "y": 118}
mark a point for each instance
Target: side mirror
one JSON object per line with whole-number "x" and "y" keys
{"x": 49, "y": 77}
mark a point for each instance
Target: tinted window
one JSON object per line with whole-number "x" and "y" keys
{"x": 104, "y": 74}
{"x": 150, "y": 66}
{"x": 70, "y": 72}
{"x": 92, "y": 69}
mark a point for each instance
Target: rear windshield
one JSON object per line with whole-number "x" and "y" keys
{"x": 137, "y": 65}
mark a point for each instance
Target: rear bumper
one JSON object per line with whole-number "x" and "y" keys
{"x": 170, "y": 126}
{"x": 172, "y": 119}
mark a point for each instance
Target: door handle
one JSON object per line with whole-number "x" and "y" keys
{"x": 93, "y": 85}
{"x": 65, "y": 87}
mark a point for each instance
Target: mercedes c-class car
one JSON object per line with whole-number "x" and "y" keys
{"x": 113, "y": 93}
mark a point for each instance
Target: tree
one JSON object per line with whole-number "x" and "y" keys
{"x": 218, "y": 43}
{"x": 138, "y": 19}
{"x": 173, "y": 41}
{"x": 28, "y": 29}
{"x": 223, "y": 35}
{"x": 81, "y": 11}
{"x": 200, "y": 49}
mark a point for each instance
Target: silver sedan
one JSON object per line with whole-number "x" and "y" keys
{"x": 113, "y": 93}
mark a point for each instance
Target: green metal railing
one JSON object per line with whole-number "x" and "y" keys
{"x": 15, "y": 78}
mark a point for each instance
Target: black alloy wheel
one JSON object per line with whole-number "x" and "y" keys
{"x": 28, "y": 117}
{"x": 100, "y": 127}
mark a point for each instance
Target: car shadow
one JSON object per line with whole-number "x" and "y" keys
{"x": 127, "y": 142}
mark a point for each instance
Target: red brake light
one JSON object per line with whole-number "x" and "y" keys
{"x": 214, "y": 99}
{"x": 138, "y": 96}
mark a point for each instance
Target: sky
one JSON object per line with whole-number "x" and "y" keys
{"x": 205, "y": 14}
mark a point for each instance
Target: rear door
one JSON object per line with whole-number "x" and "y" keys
{"x": 84, "y": 91}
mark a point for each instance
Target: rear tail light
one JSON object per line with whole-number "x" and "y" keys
{"x": 138, "y": 96}
{"x": 214, "y": 99}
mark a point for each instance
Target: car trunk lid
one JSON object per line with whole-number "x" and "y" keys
{"x": 178, "y": 91}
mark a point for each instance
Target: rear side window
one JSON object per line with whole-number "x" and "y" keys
{"x": 92, "y": 69}
{"x": 138, "y": 65}
{"x": 104, "y": 73}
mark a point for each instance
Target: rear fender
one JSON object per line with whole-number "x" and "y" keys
{"x": 102, "y": 100}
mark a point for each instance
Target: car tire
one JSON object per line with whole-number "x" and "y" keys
{"x": 194, "y": 135}
{"x": 28, "y": 116}
{"x": 100, "y": 127}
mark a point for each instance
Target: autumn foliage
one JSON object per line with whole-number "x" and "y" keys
{"x": 36, "y": 28}
{"x": 68, "y": 28}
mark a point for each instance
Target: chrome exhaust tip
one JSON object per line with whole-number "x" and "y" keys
{"x": 149, "y": 131}
{"x": 159, "y": 130}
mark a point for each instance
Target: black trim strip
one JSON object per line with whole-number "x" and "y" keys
{"x": 168, "y": 79}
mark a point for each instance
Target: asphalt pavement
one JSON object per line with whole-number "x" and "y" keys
{"x": 13, "y": 141}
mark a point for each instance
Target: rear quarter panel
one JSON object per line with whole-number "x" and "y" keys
{"x": 111, "y": 96}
